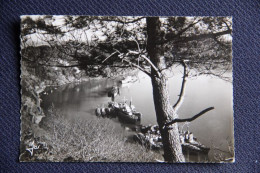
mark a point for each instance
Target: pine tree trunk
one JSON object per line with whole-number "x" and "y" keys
{"x": 164, "y": 110}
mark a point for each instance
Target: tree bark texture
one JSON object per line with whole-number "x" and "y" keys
{"x": 164, "y": 110}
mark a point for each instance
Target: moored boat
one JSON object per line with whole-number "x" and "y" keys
{"x": 127, "y": 113}
{"x": 122, "y": 110}
{"x": 150, "y": 137}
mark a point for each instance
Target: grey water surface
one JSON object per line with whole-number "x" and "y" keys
{"x": 214, "y": 129}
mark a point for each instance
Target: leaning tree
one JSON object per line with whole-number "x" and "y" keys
{"x": 102, "y": 46}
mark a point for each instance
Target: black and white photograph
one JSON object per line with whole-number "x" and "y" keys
{"x": 126, "y": 89}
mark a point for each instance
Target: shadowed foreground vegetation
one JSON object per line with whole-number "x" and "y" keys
{"x": 70, "y": 139}
{"x": 87, "y": 140}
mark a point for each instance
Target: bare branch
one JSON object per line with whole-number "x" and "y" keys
{"x": 177, "y": 120}
{"x": 110, "y": 56}
{"x": 137, "y": 66}
{"x": 121, "y": 56}
{"x": 138, "y": 45}
{"x": 181, "y": 95}
{"x": 153, "y": 66}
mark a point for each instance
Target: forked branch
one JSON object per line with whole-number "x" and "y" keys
{"x": 122, "y": 56}
{"x": 137, "y": 66}
{"x": 152, "y": 65}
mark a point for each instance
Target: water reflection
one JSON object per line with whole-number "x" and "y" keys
{"x": 212, "y": 129}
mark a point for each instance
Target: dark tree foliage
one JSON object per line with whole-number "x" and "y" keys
{"x": 104, "y": 46}
{"x": 197, "y": 40}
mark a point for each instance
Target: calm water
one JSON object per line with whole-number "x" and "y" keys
{"x": 212, "y": 129}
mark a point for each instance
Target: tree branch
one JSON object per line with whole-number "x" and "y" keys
{"x": 121, "y": 56}
{"x": 110, "y": 56}
{"x": 62, "y": 66}
{"x": 77, "y": 65}
{"x": 153, "y": 66}
{"x": 227, "y": 25}
{"x": 172, "y": 37}
{"x": 137, "y": 66}
{"x": 120, "y": 21}
{"x": 203, "y": 36}
{"x": 177, "y": 120}
{"x": 181, "y": 95}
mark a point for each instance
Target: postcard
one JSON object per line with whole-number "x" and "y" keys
{"x": 126, "y": 89}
